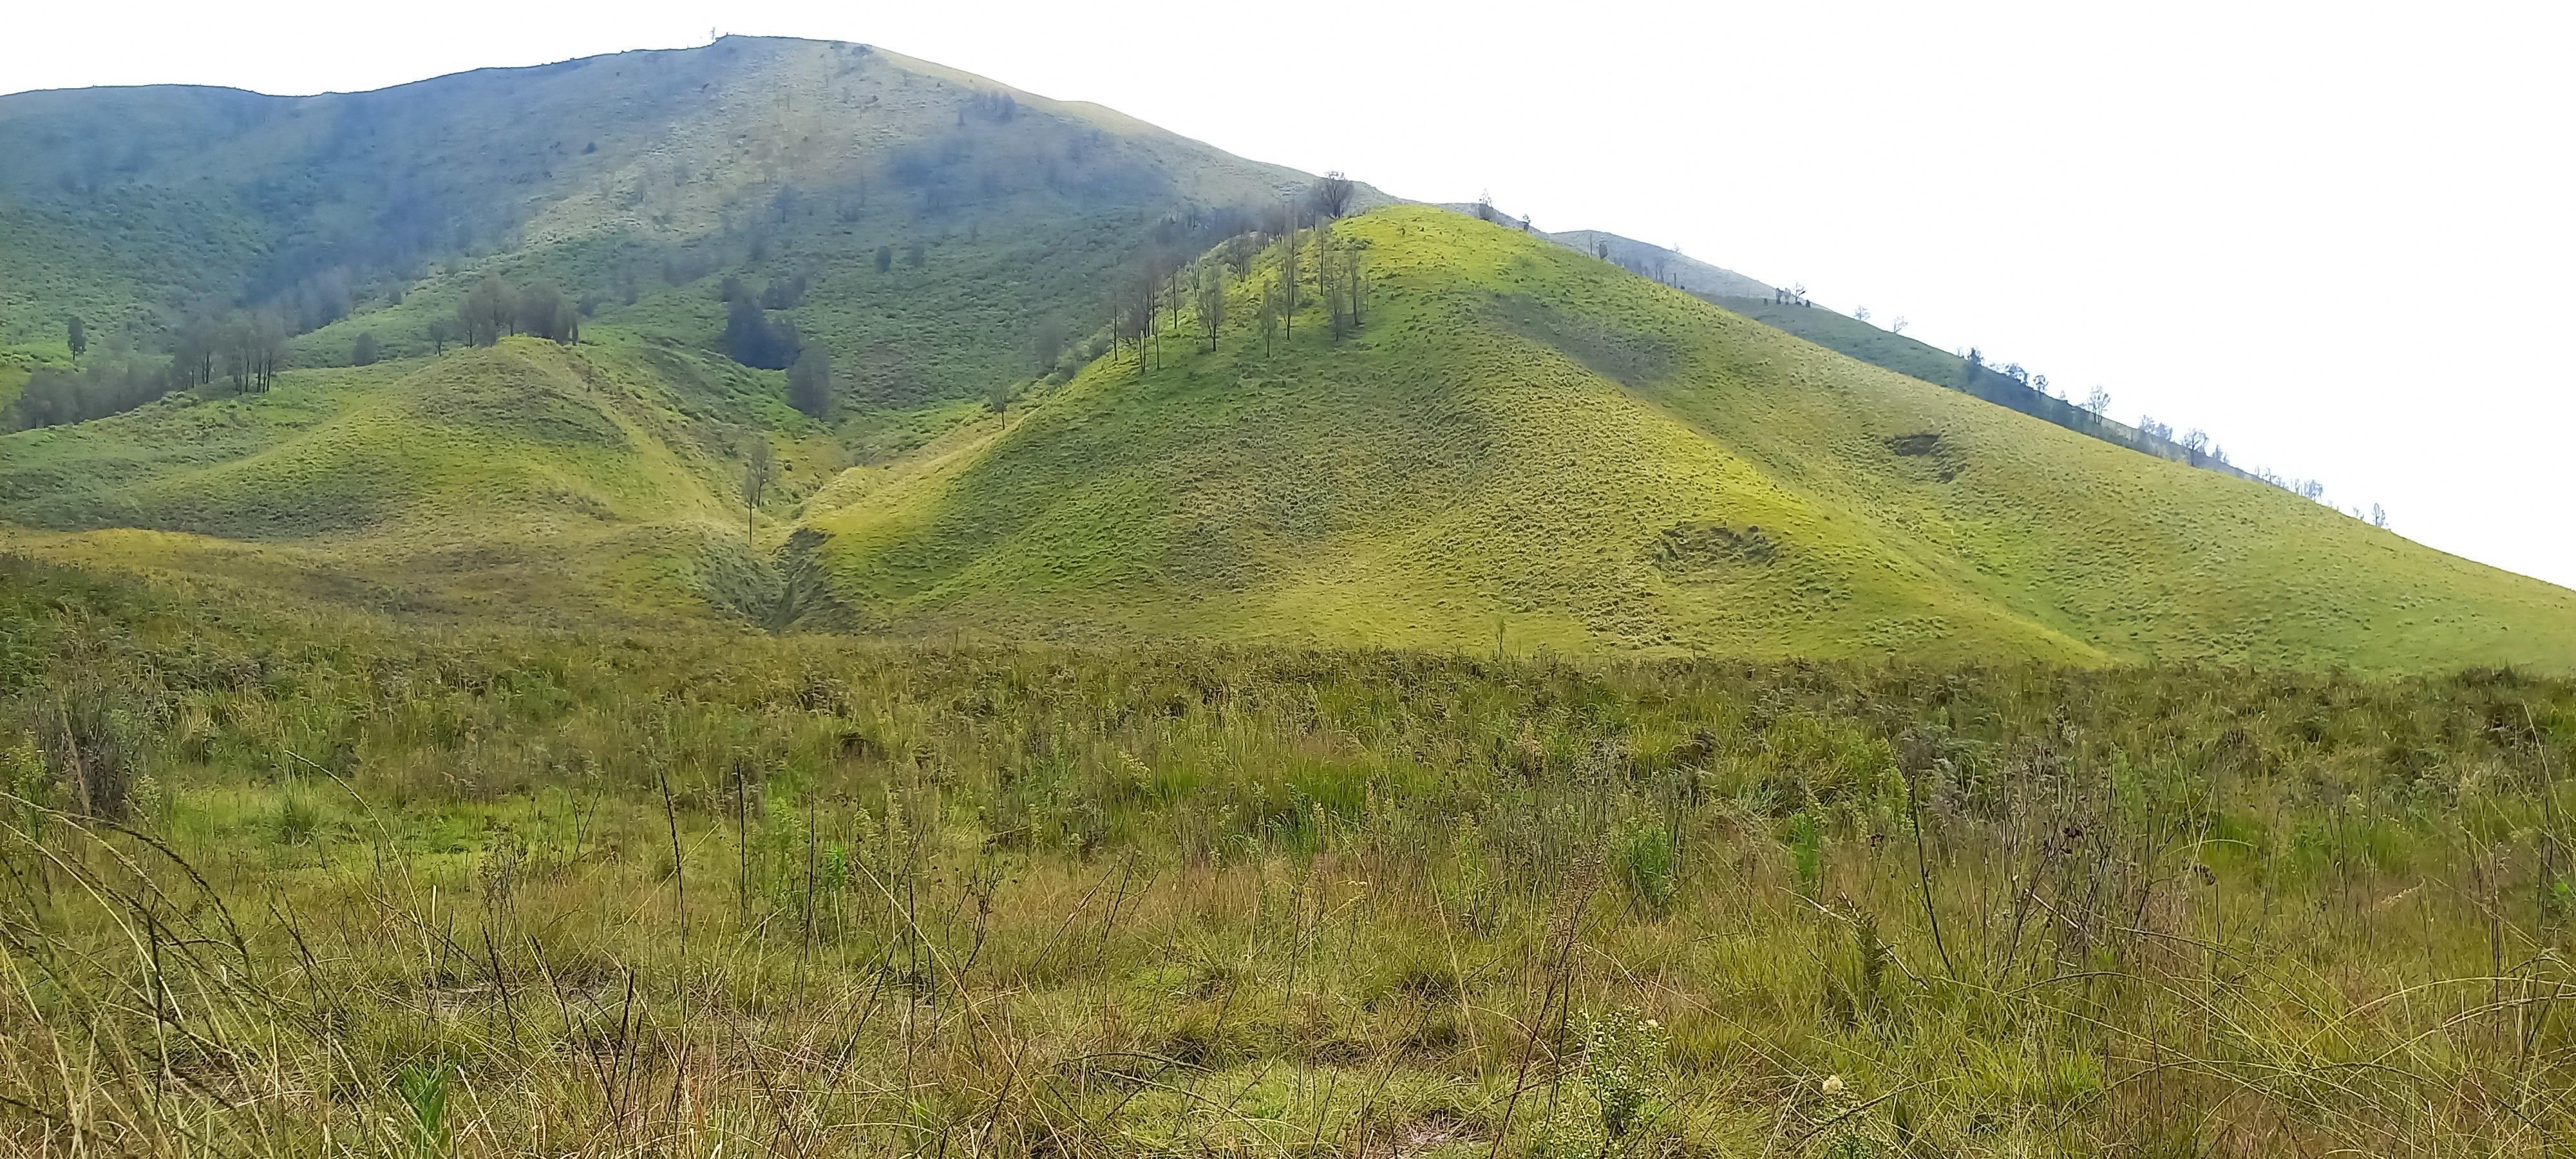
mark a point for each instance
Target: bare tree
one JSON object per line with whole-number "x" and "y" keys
{"x": 2099, "y": 402}
{"x": 1485, "y": 206}
{"x": 1288, "y": 283}
{"x": 1269, "y": 316}
{"x": 1332, "y": 195}
{"x": 1898, "y": 326}
{"x": 755, "y": 479}
{"x": 1211, "y": 303}
{"x": 2195, "y": 440}
{"x": 1860, "y": 314}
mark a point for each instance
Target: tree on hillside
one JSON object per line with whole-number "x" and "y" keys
{"x": 1898, "y": 326}
{"x": 193, "y": 352}
{"x": 809, "y": 382}
{"x": 1211, "y": 303}
{"x": 2195, "y": 440}
{"x": 1485, "y": 206}
{"x": 363, "y": 351}
{"x": 1288, "y": 282}
{"x": 76, "y": 335}
{"x": 1332, "y": 195}
{"x": 885, "y": 258}
{"x": 441, "y": 332}
{"x": 1047, "y": 345}
{"x": 2099, "y": 402}
{"x": 52, "y": 397}
{"x": 916, "y": 255}
{"x": 1269, "y": 315}
{"x": 998, "y": 401}
{"x": 1328, "y": 280}
{"x": 488, "y": 309}
{"x": 253, "y": 349}
{"x": 752, "y": 340}
{"x": 755, "y": 479}
{"x": 543, "y": 311}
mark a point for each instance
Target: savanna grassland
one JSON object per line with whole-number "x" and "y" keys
{"x": 779, "y": 598}
{"x": 281, "y": 882}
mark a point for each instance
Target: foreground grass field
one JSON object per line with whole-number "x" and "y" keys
{"x": 281, "y": 884}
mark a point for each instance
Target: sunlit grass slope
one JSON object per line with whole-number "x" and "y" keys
{"x": 519, "y": 478}
{"x": 1524, "y": 441}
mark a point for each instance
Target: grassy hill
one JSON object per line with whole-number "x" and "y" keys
{"x": 521, "y": 480}
{"x": 1521, "y": 444}
{"x": 635, "y": 182}
{"x": 1521, "y": 439}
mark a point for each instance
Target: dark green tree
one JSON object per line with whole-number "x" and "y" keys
{"x": 885, "y": 258}
{"x": 76, "y": 335}
{"x": 363, "y": 351}
{"x": 542, "y": 310}
{"x": 809, "y": 382}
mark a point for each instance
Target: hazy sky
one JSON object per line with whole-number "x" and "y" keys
{"x": 2337, "y": 236}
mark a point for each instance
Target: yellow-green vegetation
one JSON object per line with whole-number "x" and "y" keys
{"x": 288, "y": 885}
{"x": 1521, "y": 441}
{"x": 525, "y": 479}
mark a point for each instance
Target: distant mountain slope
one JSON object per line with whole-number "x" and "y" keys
{"x": 1525, "y": 441}
{"x": 1644, "y": 259}
{"x": 621, "y": 179}
{"x": 1870, "y": 344}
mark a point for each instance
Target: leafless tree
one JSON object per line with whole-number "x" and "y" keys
{"x": 1288, "y": 283}
{"x": 755, "y": 479}
{"x": 1332, "y": 195}
{"x": 2099, "y": 402}
{"x": 1211, "y": 303}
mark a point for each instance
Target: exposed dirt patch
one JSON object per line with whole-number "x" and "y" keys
{"x": 1937, "y": 455}
{"x": 1696, "y": 546}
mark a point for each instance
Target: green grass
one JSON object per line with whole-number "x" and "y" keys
{"x": 500, "y": 892}
{"x": 133, "y": 206}
{"x": 1518, "y": 433}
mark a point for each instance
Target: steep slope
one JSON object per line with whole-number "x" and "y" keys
{"x": 634, "y": 182}
{"x": 1906, "y": 356}
{"x": 1522, "y": 440}
{"x": 934, "y": 233}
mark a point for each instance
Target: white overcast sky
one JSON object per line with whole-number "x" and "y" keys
{"x": 2337, "y": 236}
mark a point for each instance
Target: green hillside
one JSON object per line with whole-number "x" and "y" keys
{"x": 1519, "y": 443}
{"x": 524, "y": 480}
{"x": 1868, "y": 343}
{"x": 633, "y": 182}
{"x": 1522, "y": 440}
